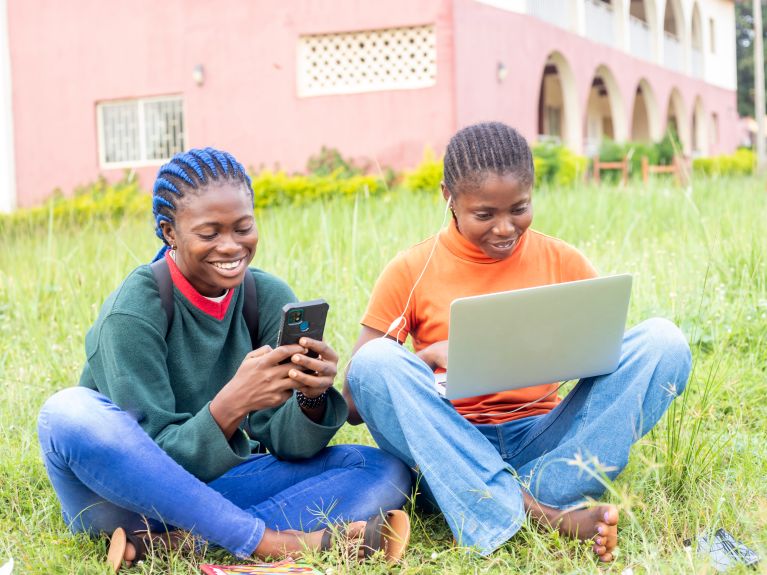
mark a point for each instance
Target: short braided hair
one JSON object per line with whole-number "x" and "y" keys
{"x": 190, "y": 172}
{"x": 488, "y": 147}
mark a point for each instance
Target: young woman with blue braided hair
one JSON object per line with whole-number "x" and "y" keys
{"x": 163, "y": 432}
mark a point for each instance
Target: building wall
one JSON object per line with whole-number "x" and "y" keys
{"x": 67, "y": 57}
{"x": 7, "y": 164}
{"x": 720, "y": 65}
{"x": 248, "y": 104}
{"x": 488, "y": 37}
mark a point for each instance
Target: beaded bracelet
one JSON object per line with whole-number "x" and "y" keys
{"x": 311, "y": 402}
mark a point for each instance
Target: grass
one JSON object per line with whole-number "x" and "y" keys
{"x": 699, "y": 257}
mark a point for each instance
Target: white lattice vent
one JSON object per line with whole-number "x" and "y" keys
{"x": 367, "y": 61}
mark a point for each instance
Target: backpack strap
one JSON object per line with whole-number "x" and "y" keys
{"x": 250, "y": 307}
{"x": 161, "y": 273}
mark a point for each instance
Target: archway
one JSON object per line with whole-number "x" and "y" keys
{"x": 646, "y": 118}
{"x": 676, "y": 119}
{"x": 605, "y": 116}
{"x": 558, "y": 103}
{"x": 699, "y": 129}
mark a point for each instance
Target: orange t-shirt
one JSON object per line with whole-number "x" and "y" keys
{"x": 459, "y": 269}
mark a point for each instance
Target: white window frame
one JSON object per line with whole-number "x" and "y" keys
{"x": 140, "y": 103}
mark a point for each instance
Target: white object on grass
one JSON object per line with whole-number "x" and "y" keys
{"x": 7, "y": 569}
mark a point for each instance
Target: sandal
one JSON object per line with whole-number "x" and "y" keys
{"x": 143, "y": 542}
{"x": 389, "y": 533}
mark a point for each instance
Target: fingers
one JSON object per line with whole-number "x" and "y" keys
{"x": 320, "y": 347}
{"x": 319, "y": 366}
{"x": 283, "y": 352}
{"x": 261, "y": 351}
{"x": 312, "y": 383}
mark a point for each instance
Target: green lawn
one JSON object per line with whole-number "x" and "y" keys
{"x": 699, "y": 257}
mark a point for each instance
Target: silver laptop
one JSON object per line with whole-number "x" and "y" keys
{"x": 508, "y": 340}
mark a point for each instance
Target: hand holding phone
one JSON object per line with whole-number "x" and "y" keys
{"x": 304, "y": 323}
{"x": 303, "y": 319}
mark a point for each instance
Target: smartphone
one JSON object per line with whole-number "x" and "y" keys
{"x": 305, "y": 318}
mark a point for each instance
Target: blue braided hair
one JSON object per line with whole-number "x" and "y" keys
{"x": 190, "y": 172}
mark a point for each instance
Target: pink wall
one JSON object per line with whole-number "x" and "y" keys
{"x": 67, "y": 56}
{"x": 485, "y": 36}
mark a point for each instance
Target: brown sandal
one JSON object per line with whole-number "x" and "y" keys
{"x": 389, "y": 533}
{"x": 143, "y": 542}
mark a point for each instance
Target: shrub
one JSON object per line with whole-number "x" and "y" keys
{"x": 330, "y": 161}
{"x": 657, "y": 154}
{"x": 100, "y": 200}
{"x": 110, "y": 202}
{"x": 742, "y": 162}
{"x": 276, "y": 188}
{"x": 557, "y": 165}
{"x": 427, "y": 176}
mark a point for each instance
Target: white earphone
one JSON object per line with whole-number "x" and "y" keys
{"x": 401, "y": 321}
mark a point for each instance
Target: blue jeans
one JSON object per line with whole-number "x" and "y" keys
{"x": 475, "y": 473}
{"x": 108, "y": 473}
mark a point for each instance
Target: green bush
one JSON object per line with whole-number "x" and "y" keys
{"x": 277, "y": 188}
{"x": 97, "y": 201}
{"x": 742, "y": 162}
{"x": 557, "y": 165}
{"x": 427, "y": 176}
{"x": 104, "y": 201}
{"x": 657, "y": 154}
{"x": 330, "y": 161}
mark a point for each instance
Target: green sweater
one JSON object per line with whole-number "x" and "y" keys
{"x": 167, "y": 382}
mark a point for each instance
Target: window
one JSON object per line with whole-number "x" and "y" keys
{"x": 714, "y": 128}
{"x": 141, "y": 131}
{"x": 367, "y": 61}
{"x": 712, "y": 35}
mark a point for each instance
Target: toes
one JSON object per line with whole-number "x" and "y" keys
{"x": 606, "y": 557}
{"x": 600, "y": 550}
{"x": 609, "y": 515}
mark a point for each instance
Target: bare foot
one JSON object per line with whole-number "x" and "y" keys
{"x": 599, "y": 524}
{"x": 290, "y": 541}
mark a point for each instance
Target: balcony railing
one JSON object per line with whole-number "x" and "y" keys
{"x": 556, "y": 12}
{"x": 697, "y": 63}
{"x": 600, "y": 23}
{"x": 672, "y": 52}
{"x": 640, "y": 38}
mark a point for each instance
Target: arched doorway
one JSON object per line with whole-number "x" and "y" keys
{"x": 645, "y": 121}
{"x": 605, "y": 117}
{"x": 699, "y": 129}
{"x": 676, "y": 120}
{"x": 558, "y": 103}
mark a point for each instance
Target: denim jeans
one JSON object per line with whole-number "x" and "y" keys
{"x": 108, "y": 473}
{"x": 475, "y": 473}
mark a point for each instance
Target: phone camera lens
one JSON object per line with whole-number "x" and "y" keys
{"x": 295, "y": 316}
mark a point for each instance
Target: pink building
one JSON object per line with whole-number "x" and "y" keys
{"x": 91, "y": 87}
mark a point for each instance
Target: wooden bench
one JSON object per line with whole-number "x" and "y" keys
{"x": 676, "y": 168}
{"x": 623, "y": 166}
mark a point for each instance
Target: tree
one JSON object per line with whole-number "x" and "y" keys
{"x": 744, "y": 35}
